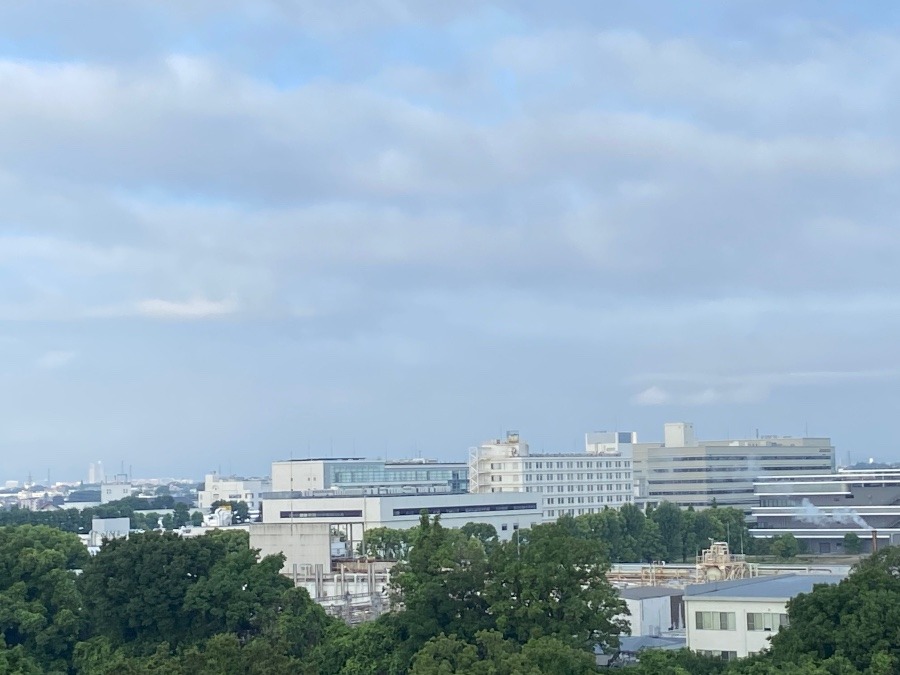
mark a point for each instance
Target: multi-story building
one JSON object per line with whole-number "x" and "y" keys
{"x": 565, "y": 484}
{"x": 735, "y": 619}
{"x": 688, "y": 472}
{"x": 374, "y": 476}
{"x": 821, "y": 509}
{"x": 116, "y": 490}
{"x": 232, "y": 489}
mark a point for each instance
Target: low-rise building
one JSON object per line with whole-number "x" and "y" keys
{"x": 113, "y": 492}
{"x": 353, "y": 514}
{"x": 735, "y": 619}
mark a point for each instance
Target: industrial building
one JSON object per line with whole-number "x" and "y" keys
{"x": 820, "y": 509}
{"x": 735, "y": 619}
{"x": 563, "y": 484}
{"x": 688, "y": 472}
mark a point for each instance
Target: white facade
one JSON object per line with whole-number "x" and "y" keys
{"x": 232, "y": 489}
{"x": 688, "y": 472}
{"x": 735, "y": 619}
{"x": 301, "y": 543}
{"x": 95, "y": 473}
{"x": 372, "y": 475}
{"x": 355, "y": 514}
{"x": 112, "y": 492}
{"x": 564, "y": 484}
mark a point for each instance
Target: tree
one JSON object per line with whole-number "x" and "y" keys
{"x": 551, "y": 581}
{"x": 483, "y": 532}
{"x": 240, "y": 512}
{"x": 181, "y": 516}
{"x": 856, "y": 619}
{"x": 669, "y": 518}
{"x": 852, "y": 543}
{"x": 385, "y": 543}
{"x": 785, "y": 546}
{"x": 39, "y": 603}
{"x": 196, "y": 519}
{"x": 159, "y": 587}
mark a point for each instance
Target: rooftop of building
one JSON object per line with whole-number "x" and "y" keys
{"x": 644, "y": 592}
{"x": 363, "y": 460}
{"x": 361, "y": 492}
{"x": 782, "y": 586}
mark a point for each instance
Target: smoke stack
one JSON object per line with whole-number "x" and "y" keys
{"x": 874, "y": 541}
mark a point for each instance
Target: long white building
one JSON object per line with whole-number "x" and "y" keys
{"x": 688, "y": 472}
{"x": 821, "y": 509}
{"x": 371, "y": 475}
{"x": 564, "y": 484}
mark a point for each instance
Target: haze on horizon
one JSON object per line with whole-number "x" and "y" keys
{"x": 238, "y": 231}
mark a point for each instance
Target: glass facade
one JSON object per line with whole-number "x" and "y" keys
{"x": 450, "y": 477}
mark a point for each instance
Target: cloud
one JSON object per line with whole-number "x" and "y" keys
{"x": 697, "y": 389}
{"x": 652, "y": 396}
{"x": 53, "y": 360}
{"x": 197, "y": 308}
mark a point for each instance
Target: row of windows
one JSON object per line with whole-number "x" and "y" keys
{"x": 700, "y": 493}
{"x": 744, "y": 458}
{"x": 714, "y": 620}
{"x": 585, "y": 500}
{"x": 763, "y": 621}
{"x": 716, "y": 654}
{"x": 586, "y": 464}
{"x": 617, "y": 487}
{"x": 756, "y": 621}
{"x": 434, "y": 510}
{"x": 554, "y": 513}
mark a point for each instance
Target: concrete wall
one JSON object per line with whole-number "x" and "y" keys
{"x": 291, "y": 476}
{"x": 301, "y": 543}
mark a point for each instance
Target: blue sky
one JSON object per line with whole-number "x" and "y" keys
{"x": 238, "y": 231}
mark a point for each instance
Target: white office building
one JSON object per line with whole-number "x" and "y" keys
{"x": 232, "y": 489}
{"x": 688, "y": 472}
{"x": 735, "y": 619}
{"x": 353, "y": 514}
{"x": 564, "y": 484}
{"x": 374, "y": 476}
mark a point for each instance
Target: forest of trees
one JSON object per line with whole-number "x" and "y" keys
{"x": 666, "y": 533}
{"x": 464, "y": 602}
{"x": 79, "y": 521}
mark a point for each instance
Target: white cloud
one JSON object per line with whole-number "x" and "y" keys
{"x": 196, "y": 308}
{"x": 55, "y": 359}
{"x": 652, "y": 396}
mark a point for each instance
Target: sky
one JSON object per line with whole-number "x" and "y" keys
{"x": 236, "y": 231}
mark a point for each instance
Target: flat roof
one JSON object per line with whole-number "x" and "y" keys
{"x": 644, "y": 592}
{"x": 782, "y": 586}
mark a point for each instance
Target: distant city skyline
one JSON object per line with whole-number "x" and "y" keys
{"x": 236, "y": 232}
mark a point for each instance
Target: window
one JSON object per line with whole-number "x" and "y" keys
{"x": 725, "y": 656}
{"x": 503, "y": 527}
{"x": 766, "y": 621}
{"x": 714, "y": 620}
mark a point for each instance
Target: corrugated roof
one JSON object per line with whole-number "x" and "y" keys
{"x": 780, "y": 586}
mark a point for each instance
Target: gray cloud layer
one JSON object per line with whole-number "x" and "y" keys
{"x": 397, "y": 227}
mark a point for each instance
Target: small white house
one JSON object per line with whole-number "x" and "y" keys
{"x": 735, "y": 619}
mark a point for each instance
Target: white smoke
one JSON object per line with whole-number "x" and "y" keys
{"x": 810, "y": 513}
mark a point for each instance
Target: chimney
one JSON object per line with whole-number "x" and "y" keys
{"x": 874, "y": 541}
